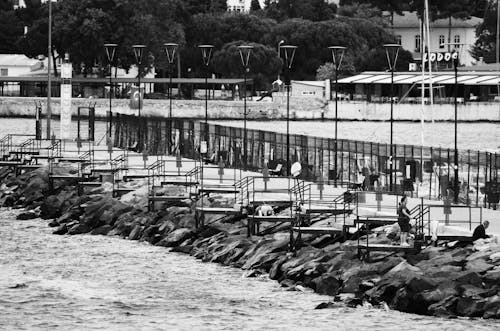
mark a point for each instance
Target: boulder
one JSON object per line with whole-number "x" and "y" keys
{"x": 385, "y": 290}
{"x": 492, "y": 277}
{"x": 175, "y": 237}
{"x": 102, "y": 230}
{"x": 54, "y": 223}
{"x": 79, "y": 229}
{"x": 135, "y": 233}
{"x": 478, "y": 265}
{"x": 27, "y": 215}
{"x": 470, "y": 307}
{"x": 492, "y": 307}
{"x": 404, "y": 270}
{"x": 166, "y": 227}
{"x": 471, "y": 278}
{"x": 444, "y": 308}
{"x": 327, "y": 284}
{"x": 62, "y": 229}
{"x": 275, "y": 271}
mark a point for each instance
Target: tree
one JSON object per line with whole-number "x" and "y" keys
{"x": 485, "y": 45}
{"x": 313, "y": 38}
{"x": 205, "y": 6}
{"x": 264, "y": 63}
{"x": 255, "y": 6}
{"x": 11, "y": 29}
{"x": 391, "y": 6}
{"x": 81, "y": 27}
{"x": 6, "y": 5}
{"x": 314, "y": 10}
{"x": 363, "y": 10}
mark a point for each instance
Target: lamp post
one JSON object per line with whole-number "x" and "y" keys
{"x": 206, "y": 53}
{"x": 138, "y": 52}
{"x": 171, "y": 51}
{"x": 392, "y": 52}
{"x": 245, "y": 52}
{"x": 288, "y": 55}
{"x": 455, "y": 59}
{"x": 110, "y": 53}
{"x": 337, "y": 57}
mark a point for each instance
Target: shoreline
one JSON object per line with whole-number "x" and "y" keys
{"x": 229, "y": 119}
{"x": 300, "y": 109}
{"x": 438, "y": 281}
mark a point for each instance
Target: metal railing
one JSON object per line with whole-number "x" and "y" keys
{"x": 426, "y": 172}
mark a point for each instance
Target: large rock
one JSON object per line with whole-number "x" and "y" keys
{"x": 478, "y": 265}
{"x": 175, "y": 237}
{"x": 492, "y": 307}
{"x": 444, "y": 308}
{"x": 135, "y": 233}
{"x": 27, "y": 215}
{"x": 492, "y": 277}
{"x": 102, "y": 230}
{"x": 470, "y": 307}
{"x": 327, "y": 284}
{"x": 62, "y": 229}
{"x": 275, "y": 271}
{"x": 79, "y": 229}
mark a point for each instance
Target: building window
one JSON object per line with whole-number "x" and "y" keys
{"x": 4, "y": 72}
{"x": 398, "y": 39}
{"x": 456, "y": 40}
{"x": 418, "y": 42}
{"x": 441, "y": 41}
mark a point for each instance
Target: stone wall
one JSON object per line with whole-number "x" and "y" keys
{"x": 300, "y": 108}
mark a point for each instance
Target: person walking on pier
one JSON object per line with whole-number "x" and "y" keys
{"x": 404, "y": 220}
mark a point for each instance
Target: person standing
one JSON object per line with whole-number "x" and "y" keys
{"x": 404, "y": 220}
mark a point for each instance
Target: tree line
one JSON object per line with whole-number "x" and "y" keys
{"x": 81, "y": 27}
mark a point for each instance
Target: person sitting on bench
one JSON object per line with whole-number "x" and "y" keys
{"x": 480, "y": 231}
{"x": 277, "y": 170}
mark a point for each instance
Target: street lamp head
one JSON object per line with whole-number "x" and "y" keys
{"x": 206, "y": 53}
{"x": 138, "y": 51}
{"x": 171, "y": 50}
{"x": 392, "y": 53}
{"x": 245, "y": 51}
{"x": 288, "y": 55}
{"x": 110, "y": 51}
{"x": 337, "y": 55}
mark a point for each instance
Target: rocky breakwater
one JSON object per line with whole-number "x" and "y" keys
{"x": 440, "y": 281}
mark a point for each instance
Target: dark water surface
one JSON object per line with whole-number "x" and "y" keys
{"x": 50, "y": 282}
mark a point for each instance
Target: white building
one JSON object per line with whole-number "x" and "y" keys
{"x": 15, "y": 65}
{"x": 407, "y": 29}
{"x": 22, "y": 3}
{"x": 241, "y": 5}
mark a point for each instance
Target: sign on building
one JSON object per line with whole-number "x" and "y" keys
{"x": 441, "y": 57}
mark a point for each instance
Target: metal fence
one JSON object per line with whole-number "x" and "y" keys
{"x": 420, "y": 171}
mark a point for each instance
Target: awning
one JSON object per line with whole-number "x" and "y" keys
{"x": 494, "y": 81}
{"x": 349, "y": 80}
{"x": 439, "y": 77}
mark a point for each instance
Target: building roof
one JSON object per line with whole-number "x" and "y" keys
{"x": 441, "y": 77}
{"x": 315, "y": 83}
{"x": 16, "y": 60}
{"x": 86, "y": 80}
{"x": 411, "y": 20}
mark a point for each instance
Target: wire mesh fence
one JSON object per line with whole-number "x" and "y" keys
{"x": 418, "y": 171}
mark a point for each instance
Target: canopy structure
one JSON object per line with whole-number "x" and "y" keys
{"x": 441, "y": 77}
